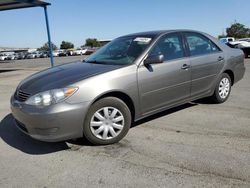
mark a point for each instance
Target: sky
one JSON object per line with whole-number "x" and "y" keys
{"x": 76, "y": 20}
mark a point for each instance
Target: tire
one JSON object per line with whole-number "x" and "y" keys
{"x": 218, "y": 96}
{"x": 95, "y": 126}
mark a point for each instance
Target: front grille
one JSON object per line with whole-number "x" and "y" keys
{"x": 21, "y": 126}
{"x": 22, "y": 96}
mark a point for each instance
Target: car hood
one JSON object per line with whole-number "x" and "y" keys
{"x": 62, "y": 76}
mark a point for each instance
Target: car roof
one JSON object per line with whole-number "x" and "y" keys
{"x": 159, "y": 32}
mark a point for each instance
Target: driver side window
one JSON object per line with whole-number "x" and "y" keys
{"x": 170, "y": 46}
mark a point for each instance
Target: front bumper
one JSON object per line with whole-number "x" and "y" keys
{"x": 53, "y": 123}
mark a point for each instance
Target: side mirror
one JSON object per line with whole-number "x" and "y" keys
{"x": 154, "y": 59}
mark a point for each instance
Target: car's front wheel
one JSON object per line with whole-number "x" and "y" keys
{"x": 223, "y": 89}
{"x": 107, "y": 121}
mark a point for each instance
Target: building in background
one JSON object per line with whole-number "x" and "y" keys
{"x": 9, "y": 49}
{"x": 104, "y": 41}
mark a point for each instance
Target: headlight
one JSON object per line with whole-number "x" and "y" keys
{"x": 51, "y": 97}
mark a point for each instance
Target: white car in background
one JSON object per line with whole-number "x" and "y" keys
{"x": 243, "y": 44}
{"x": 56, "y": 53}
{"x": 80, "y": 51}
{"x": 33, "y": 55}
{"x": 227, "y": 40}
{"x": 3, "y": 57}
{"x": 11, "y": 56}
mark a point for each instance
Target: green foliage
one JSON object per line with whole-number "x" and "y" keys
{"x": 222, "y": 36}
{"x": 238, "y": 30}
{"x": 66, "y": 45}
{"x": 92, "y": 42}
{"x": 45, "y": 47}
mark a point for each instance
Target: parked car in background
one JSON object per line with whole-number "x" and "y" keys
{"x": 245, "y": 39}
{"x": 71, "y": 52}
{"x": 130, "y": 78}
{"x": 33, "y": 55}
{"x": 63, "y": 53}
{"x": 7, "y": 55}
{"x": 30, "y": 56}
{"x": 80, "y": 51}
{"x": 243, "y": 44}
{"x": 233, "y": 44}
{"x": 56, "y": 53}
{"x": 227, "y": 40}
{"x": 90, "y": 51}
{"x": 3, "y": 57}
{"x": 44, "y": 54}
{"x": 21, "y": 55}
{"x": 11, "y": 56}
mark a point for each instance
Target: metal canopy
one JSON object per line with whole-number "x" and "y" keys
{"x": 18, "y": 4}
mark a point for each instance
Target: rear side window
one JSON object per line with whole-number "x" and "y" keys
{"x": 200, "y": 45}
{"x": 170, "y": 46}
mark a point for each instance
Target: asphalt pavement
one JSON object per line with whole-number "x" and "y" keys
{"x": 198, "y": 144}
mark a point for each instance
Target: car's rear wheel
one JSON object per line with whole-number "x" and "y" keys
{"x": 108, "y": 121}
{"x": 223, "y": 89}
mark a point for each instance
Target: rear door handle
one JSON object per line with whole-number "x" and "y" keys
{"x": 185, "y": 67}
{"x": 220, "y": 58}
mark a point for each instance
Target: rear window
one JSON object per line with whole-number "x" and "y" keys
{"x": 200, "y": 45}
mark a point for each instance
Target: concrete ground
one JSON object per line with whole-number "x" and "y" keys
{"x": 195, "y": 145}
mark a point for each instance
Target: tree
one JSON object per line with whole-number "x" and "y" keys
{"x": 45, "y": 47}
{"x": 92, "y": 42}
{"x": 238, "y": 30}
{"x": 66, "y": 45}
{"x": 222, "y": 36}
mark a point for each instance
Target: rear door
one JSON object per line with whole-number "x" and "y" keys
{"x": 167, "y": 83}
{"x": 206, "y": 60}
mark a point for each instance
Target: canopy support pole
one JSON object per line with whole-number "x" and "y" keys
{"x": 49, "y": 39}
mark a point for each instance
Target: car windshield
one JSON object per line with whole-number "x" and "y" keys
{"x": 121, "y": 51}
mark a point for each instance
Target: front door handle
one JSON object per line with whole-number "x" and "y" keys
{"x": 185, "y": 67}
{"x": 220, "y": 58}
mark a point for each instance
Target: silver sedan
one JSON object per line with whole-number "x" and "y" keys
{"x": 132, "y": 77}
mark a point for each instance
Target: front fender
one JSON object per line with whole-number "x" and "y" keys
{"x": 122, "y": 80}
